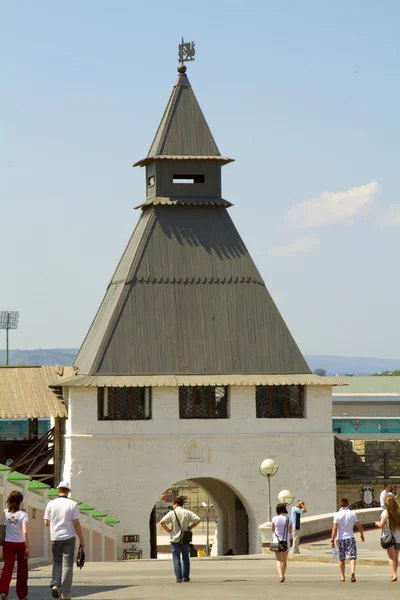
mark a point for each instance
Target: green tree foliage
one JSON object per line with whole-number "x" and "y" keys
{"x": 320, "y": 372}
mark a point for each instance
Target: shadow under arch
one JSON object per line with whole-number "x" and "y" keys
{"x": 233, "y": 516}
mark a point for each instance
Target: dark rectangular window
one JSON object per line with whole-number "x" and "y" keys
{"x": 203, "y": 402}
{"x": 188, "y": 179}
{"x": 279, "y": 401}
{"x": 123, "y": 403}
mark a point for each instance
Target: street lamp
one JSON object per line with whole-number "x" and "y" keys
{"x": 8, "y": 320}
{"x": 269, "y": 468}
{"x": 208, "y": 507}
{"x": 285, "y": 497}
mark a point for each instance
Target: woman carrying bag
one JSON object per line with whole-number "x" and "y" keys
{"x": 281, "y": 530}
{"x": 390, "y": 525}
{"x": 15, "y": 547}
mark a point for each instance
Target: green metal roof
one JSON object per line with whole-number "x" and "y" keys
{"x": 52, "y": 493}
{"x": 4, "y": 468}
{"x": 35, "y": 486}
{"x": 15, "y": 476}
{"x": 369, "y": 384}
{"x": 110, "y": 521}
{"x": 98, "y": 514}
{"x": 84, "y": 507}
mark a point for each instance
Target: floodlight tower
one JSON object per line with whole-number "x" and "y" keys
{"x": 8, "y": 320}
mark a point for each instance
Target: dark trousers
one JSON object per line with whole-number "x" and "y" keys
{"x": 182, "y": 570}
{"x": 12, "y": 551}
{"x": 63, "y": 564}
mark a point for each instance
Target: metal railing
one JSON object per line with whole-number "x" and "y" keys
{"x": 368, "y": 425}
{"x": 382, "y": 465}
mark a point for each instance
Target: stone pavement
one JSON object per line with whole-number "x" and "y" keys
{"x": 234, "y": 578}
{"x": 311, "y": 576}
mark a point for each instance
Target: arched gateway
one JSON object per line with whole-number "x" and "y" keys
{"x": 188, "y": 369}
{"x": 232, "y": 520}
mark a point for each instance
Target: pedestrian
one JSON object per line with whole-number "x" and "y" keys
{"x": 62, "y": 515}
{"x": 387, "y": 491}
{"x": 390, "y": 523}
{"x": 16, "y": 546}
{"x": 296, "y": 512}
{"x": 180, "y": 521}
{"x": 343, "y": 528}
{"x": 281, "y": 530}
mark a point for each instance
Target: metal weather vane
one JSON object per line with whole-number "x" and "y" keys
{"x": 186, "y": 52}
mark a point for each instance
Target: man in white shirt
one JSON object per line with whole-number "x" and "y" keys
{"x": 343, "y": 528}
{"x": 180, "y": 520}
{"x": 387, "y": 491}
{"x": 62, "y": 515}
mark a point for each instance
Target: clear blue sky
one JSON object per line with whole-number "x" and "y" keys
{"x": 304, "y": 95}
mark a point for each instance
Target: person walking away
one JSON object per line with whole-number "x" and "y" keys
{"x": 175, "y": 522}
{"x": 16, "y": 546}
{"x": 62, "y": 516}
{"x": 343, "y": 528}
{"x": 281, "y": 530}
{"x": 390, "y": 523}
{"x": 387, "y": 491}
{"x": 296, "y": 512}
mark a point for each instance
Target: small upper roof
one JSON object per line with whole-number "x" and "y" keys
{"x": 183, "y": 132}
{"x": 25, "y": 392}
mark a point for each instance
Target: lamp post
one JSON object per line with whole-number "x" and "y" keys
{"x": 208, "y": 507}
{"x": 8, "y": 320}
{"x": 269, "y": 468}
{"x": 285, "y": 497}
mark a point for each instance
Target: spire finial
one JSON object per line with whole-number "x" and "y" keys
{"x": 185, "y": 54}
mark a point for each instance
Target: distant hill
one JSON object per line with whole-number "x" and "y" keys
{"x": 355, "y": 365}
{"x": 333, "y": 365}
{"x": 50, "y": 356}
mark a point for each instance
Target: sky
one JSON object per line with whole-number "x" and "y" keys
{"x": 304, "y": 95}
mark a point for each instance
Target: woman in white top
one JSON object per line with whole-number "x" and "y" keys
{"x": 15, "y": 547}
{"x": 390, "y": 522}
{"x": 281, "y": 530}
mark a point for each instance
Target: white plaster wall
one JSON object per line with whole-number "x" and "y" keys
{"x": 123, "y": 466}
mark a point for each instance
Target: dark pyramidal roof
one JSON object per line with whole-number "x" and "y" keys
{"x": 186, "y": 297}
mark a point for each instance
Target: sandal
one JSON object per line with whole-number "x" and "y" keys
{"x": 343, "y": 579}
{"x": 353, "y": 578}
{"x": 393, "y": 579}
{"x": 282, "y": 580}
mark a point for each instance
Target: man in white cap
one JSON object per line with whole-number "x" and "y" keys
{"x": 62, "y": 515}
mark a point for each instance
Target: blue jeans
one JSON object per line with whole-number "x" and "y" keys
{"x": 181, "y": 571}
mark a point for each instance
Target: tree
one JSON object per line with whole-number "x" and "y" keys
{"x": 320, "y": 372}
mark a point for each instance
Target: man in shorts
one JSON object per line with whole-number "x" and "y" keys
{"x": 343, "y": 529}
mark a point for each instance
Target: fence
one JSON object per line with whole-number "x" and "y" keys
{"x": 374, "y": 466}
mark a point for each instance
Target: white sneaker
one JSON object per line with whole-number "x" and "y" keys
{"x": 55, "y": 592}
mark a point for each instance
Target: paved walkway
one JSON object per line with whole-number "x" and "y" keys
{"x": 234, "y": 577}
{"x": 213, "y": 579}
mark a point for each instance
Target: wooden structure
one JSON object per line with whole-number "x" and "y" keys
{"x": 25, "y": 395}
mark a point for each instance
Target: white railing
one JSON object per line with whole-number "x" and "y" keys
{"x": 99, "y": 535}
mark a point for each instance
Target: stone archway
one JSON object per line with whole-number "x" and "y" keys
{"x": 232, "y": 520}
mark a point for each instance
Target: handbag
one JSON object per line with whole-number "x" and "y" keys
{"x": 80, "y": 558}
{"x": 186, "y": 536}
{"x": 388, "y": 540}
{"x": 2, "y": 530}
{"x": 281, "y": 545}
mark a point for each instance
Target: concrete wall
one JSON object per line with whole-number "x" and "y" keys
{"x": 39, "y": 535}
{"x": 128, "y": 464}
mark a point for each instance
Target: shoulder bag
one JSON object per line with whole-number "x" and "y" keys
{"x": 281, "y": 545}
{"x": 2, "y": 530}
{"x": 388, "y": 540}
{"x": 186, "y": 536}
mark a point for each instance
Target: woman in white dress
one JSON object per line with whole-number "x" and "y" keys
{"x": 390, "y": 523}
{"x": 281, "y": 530}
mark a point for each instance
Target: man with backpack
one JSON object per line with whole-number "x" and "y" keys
{"x": 179, "y": 523}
